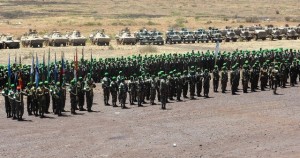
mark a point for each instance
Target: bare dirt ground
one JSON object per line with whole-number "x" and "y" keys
{"x": 257, "y": 124}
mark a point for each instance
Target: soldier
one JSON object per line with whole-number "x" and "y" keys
{"x": 64, "y": 96}
{"x": 274, "y": 79}
{"x": 192, "y": 82}
{"x": 216, "y": 77}
{"x": 140, "y": 89}
{"x": 179, "y": 85}
{"x": 171, "y": 86}
{"x": 132, "y": 90}
{"x": 293, "y": 74}
{"x": 28, "y": 93}
{"x": 263, "y": 77}
{"x": 34, "y": 101}
{"x": 114, "y": 91}
{"x": 73, "y": 96}
{"x": 5, "y": 93}
{"x": 41, "y": 99}
{"x": 199, "y": 80}
{"x": 19, "y": 103}
{"x": 185, "y": 79}
{"x": 163, "y": 92}
{"x": 245, "y": 77}
{"x": 11, "y": 97}
{"x": 105, "y": 86}
{"x": 152, "y": 89}
{"x": 58, "y": 99}
{"x": 206, "y": 81}
{"x": 234, "y": 75}
{"x": 224, "y": 79}
{"x": 47, "y": 95}
{"x": 123, "y": 93}
{"x": 80, "y": 94}
{"x": 88, "y": 87}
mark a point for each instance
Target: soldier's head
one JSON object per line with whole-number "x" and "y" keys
{"x": 89, "y": 75}
{"x": 223, "y": 68}
{"x": 72, "y": 82}
{"x": 206, "y": 70}
{"x": 57, "y": 83}
{"x": 106, "y": 74}
{"x": 40, "y": 84}
{"x": 6, "y": 85}
{"x": 113, "y": 78}
{"x": 12, "y": 86}
{"x": 216, "y": 67}
{"x": 80, "y": 78}
{"x": 120, "y": 72}
{"x": 46, "y": 83}
{"x": 152, "y": 76}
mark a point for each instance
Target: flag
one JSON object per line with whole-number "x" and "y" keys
{"x": 43, "y": 68}
{"x": 48, "y": 67}
{"x": 8, "y": 70}
{"x": 75, "y": 66}
{"x": 91, "y": 64}
{"x": 217, "y": 51}
{"x": 20, "y": 81}
{"x": 31, "y": 69}
{"x": 37, "y": 71}
{"x": 62, "y": 69}
{"x": 55, "y": 69}
{"x": 82, "y": 55}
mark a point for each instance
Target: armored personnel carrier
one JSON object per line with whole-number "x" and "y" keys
{"x": 156, "y": 37}
{"x": 244, "y": 34}
{"x": 56, "y": 39}
{"x": 187, "y": 36}
{"x": 274, "y": 33}
{"x": 290, "y": 33}
{"x": 76, "y": 39}
{"x": 32, "y": 39}
{"x": 173, "y": 37}
{"x": 143, "y": 37}
{"x": 229, "y": 35}
{"x": 215, "y": 35}
{"x": 100, "y": 38}
{"x": 8, "y": 42}
{"x": 201, "y": 36}
{"x": 125, "y": 37}
{"x": 258, "y": 32}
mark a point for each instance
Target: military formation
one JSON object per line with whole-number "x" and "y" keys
{"x": 140, "y": 79}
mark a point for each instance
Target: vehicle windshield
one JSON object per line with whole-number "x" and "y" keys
{"x": 9, "y": 38}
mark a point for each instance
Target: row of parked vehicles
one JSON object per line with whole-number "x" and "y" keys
{"x": 144, "y": 36}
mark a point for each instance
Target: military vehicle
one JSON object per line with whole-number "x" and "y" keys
{"x": 100, "y": 38}
{"x": 32, "y": 39}
{"x": 243, "y": 34}
{"x": 173, "y": 37}
{"x": 201, "y": 36}
{"x": 258, "y": 32}
{"x": 187, "y": 36}
{"x": 229, "y": 35}
{"x": 125, "y": 37}
{"x": 156, "y": 37}
{"x": 1, "y": 43}
{"x": 76, "y": 39}
{"x": 56, "y": 39}
{"x": 273, "y": 33}
{"x": 143, "y": 37}
{"x": 8, "y": 42}
{"x": 215, "y": 35}
{"x": 290, "y": 33}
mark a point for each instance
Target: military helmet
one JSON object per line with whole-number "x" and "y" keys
{"x": 12, "y": 85}
{"x": 58, "y": 83}
{"x": 106, "y": 74}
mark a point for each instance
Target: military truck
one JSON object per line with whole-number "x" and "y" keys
{"x": 32, "y": 39}
{"x": 215, "y": 35}
{"x": 290, "y": 33}
{"x": 143, "y": 37}
{"x": 100, "y": 38}
{"x": 201, "y": 36}
{"x": 173, "y": 37}
{"x": 243, "y": 33}
{"x": 229, "y": 35}
{"x": 8, "y": 42}
{"x": 187, "y": 36}
{"x": 258, "y": 32}
{"x": 156, "y": 37}
{"x": 56, "y": 39}
{"x": 274, "y": 33}
{"x": 125, "y": 37}
{"x": 76, "y": 39}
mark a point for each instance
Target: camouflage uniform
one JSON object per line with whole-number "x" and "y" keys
{"x": 206, "y": 82}
{"x": 89, "y": 93}
{"x": 153, "y": 86}
{"x": 114, "y": 91}
{"x": 80, "y": 94}
{"x": 123, "y": 93}
{"x": 5, "y": 93}
{"x": 216, "y": 77}
{"x": 73, "y": 96}
{"x": 224, "y": 79}
{"x": 105, "y": 87}
{"x": 41, "y": 99}
{"x": 140, "y": 91}
{"x": 163, "y": 92}
{"x": 132, "y": 90}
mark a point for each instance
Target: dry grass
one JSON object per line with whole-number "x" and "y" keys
{"x": 116, "y": 14}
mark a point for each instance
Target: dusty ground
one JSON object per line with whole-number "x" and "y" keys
{"x": 256, "y": 124}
